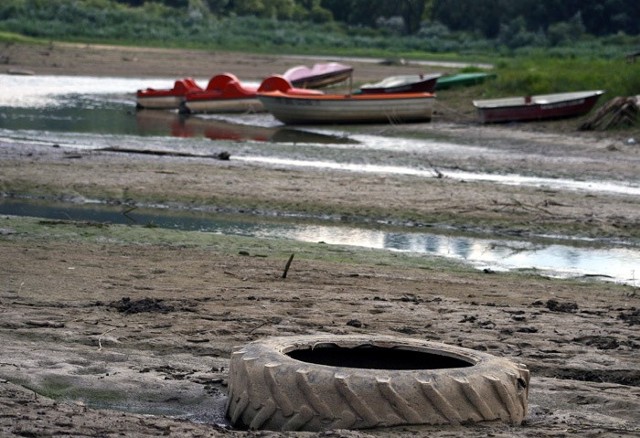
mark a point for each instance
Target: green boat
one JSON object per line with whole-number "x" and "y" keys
{"x": 462, "y": 80}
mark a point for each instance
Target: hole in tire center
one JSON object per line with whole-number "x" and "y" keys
{"x": 374, "y": 357}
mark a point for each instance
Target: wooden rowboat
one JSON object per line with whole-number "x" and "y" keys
{"x": 403, "y": 84}
{"x": 166, "y": 98}
{"x": 292, "y": 108}
{"x": 540, "y": 107}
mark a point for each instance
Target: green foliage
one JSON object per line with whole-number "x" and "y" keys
{"x": 10, "y": 37}
{"x": 487, "y": 17}
{"x": 540, "y": 74}
{"x": 528, "y": 62}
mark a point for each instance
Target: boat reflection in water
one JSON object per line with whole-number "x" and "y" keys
{"x": 171, "y": 123}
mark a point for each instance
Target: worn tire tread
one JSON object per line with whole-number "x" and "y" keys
{"x": 270, "y": 390}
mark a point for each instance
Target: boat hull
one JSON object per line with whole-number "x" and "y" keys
{"x": 403, "y": 84}
{"x": 542, "y": 107}
{"x": 219, "y": 105}
{"x": 322, "y": 81}
{"x": 318, "y": 76}
{"x": 340, "y": 109}
{"x": 166, "y": 98}
{"x": 462, "y": 80}
{"x": 159, "y": 102}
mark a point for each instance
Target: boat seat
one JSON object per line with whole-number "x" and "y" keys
{"x": 219, "y": 82}
{"x": 280, "y": 83}
{"x": 234, "y": 89}
{"x": 183, "y": 86}
{"x": 191, "y": 84}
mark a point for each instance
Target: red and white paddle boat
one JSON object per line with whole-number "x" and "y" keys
{"x": 152, "y": 98}
{"x": 226, "y": 94}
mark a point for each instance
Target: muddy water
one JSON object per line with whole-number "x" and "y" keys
{"x": 70, "y": 112}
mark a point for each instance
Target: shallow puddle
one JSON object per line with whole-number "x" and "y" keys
{"x": 612, "y": 263}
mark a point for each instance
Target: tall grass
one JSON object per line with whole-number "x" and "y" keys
{"x": 539, "y": 74}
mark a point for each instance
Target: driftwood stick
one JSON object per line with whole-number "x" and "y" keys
{"x": 102, "y": 335}
{"x": 287, "y": 266}
{"x": 219, "y": 156}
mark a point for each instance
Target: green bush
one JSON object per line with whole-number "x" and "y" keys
{"x": 526, "y": 62}
{"x": 540, "y": 74}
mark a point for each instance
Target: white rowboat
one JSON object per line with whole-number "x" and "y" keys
{"x": 356, "y": 108}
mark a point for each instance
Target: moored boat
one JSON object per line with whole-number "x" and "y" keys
{"x": 403, "y": 84}
{"x": 292, "y": 108}
{"x": 318, "y": 76}
{"x": 538, "y": 107}
{"x": 152, "y": 98}
{"x": 462, "y": 80}
{"x": 226, "y": 94}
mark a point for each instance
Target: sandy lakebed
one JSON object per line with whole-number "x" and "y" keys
{"x": 111, "y": 330}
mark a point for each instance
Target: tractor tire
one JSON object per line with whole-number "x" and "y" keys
{"x": 317, "y": 383}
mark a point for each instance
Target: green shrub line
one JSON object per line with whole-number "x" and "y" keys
{"x": 523, "y": 65}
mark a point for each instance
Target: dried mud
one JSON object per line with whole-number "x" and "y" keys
{"x": 107, "y": 336}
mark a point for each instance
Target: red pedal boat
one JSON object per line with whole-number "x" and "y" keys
{"x": 166, "y": 99}
{"x": 226, "y": 94}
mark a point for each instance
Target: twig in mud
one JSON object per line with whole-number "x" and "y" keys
{"x": 258, "y": 326}
{"x": 127, "y": 211}
{"x": 100, "y": 337}
{"x": 439, "y": 174}
{"x": 287, "y": 266}
{"x": 523, "y": 206}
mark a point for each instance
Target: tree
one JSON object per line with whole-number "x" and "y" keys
{"x": 218, "y": 7}
{"x": 599, "y": 17}
{"x": 412, "y": 13}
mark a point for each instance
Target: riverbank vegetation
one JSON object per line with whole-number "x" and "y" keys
{"x": 536, "y": 50}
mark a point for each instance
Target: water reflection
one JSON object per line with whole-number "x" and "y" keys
{"x": 620, "y": 264}
{"x": 55, "y": 91}
{"x": 107, "y": 106}
{"x": 153, "y": 122}
{"x": 54, "y": 109}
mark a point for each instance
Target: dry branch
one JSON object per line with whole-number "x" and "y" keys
{"x": 620, "y": 111}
